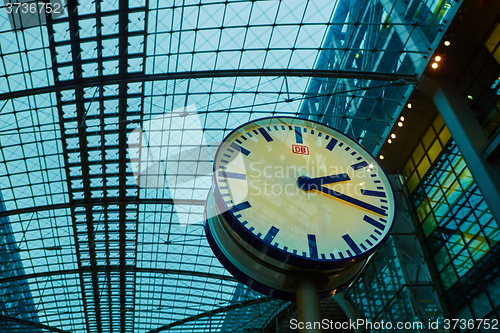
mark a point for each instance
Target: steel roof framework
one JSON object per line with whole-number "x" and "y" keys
{"x": 116, "y": 257}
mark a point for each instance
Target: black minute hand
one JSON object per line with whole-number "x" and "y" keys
{"x": 353, "y": 201}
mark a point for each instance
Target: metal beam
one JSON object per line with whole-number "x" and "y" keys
{"x": 117, "y": 269}
{"x": 108, "y": 201}
{"x": 213, "y": 312}
{"x": 134, "y": 77}
{"x": 31, "y": 324}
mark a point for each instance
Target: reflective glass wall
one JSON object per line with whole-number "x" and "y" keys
{"x": 455, "y": 226}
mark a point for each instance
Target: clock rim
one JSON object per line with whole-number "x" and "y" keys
{"x": 277, "y": 253}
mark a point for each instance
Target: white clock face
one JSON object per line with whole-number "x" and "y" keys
{"x": 304, "y": 189}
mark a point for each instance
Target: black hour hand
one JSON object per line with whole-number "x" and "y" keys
{"x": 308, "y": 184}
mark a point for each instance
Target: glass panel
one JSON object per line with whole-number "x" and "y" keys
{"x": 493, "y": 39}
{"x": 428, "y": 138}
{"x": 494, "y": 292}
{"x": 492, "y": 232}
{"x": 408, "y": 169}
{"x": 438, "y": 123}
{"x": 444, "y": 136}
{"x": 429, "y": 225}
{"x": 417, "y": 155}
{"x": 481, "y": 306}
{"x": 448, "y": 277}
{"x": 442, "y": 258}
{"x": 462, "y": 263}
{"x": 423, "y": 167}
{"x": 434, "y": 151}
{"x": 423, "y": 209}
{"x": 413, "y": 182}
{"x": 492, "y": 122}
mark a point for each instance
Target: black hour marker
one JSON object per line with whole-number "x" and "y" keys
{"x": 374, "y": 223}
{"x": 239, "y": 148}
{"x": 359, "y": 165}
{"x": 265, "y": 135}
{"x": 271, "y": 234}
{"x": 331, "y": 144}
{"x": 313, "y": 249}
{"x": 234, "y": 175}
{"x": 298, "y": 134}
{"x": 351, "y": 244}
{"x": 371, "y": 193}
{"x": 240, "y": 206}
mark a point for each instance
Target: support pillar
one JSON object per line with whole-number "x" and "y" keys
{"x": 470, "y": 138}
{"x": 308, "y": 309}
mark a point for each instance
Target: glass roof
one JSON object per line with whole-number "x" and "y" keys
{"x": 84, "y": 245}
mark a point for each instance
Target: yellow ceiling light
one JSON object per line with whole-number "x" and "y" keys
{"x": 434, "y": 65}
{"x": 381, "y": 157}
{"x": 402, "y": 118}
{"x": 400, "y": 124}
{"x": 393, "y": 135}
{"x": 447, "y": 43}
{"x": 409, "y": 105}
{"x": 389, "y": 140}
{"x": 437, "y": 58}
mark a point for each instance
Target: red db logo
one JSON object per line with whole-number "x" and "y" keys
{"x": 302, "y": 150}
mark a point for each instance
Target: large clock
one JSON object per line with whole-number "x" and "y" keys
{"x": 292, "y": 199}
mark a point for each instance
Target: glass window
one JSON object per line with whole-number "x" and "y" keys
{"x": 408, "y": 169}
{"x": 466, "y": 179}
{"x": 423, "y": 167}
{"x": 434, "y": 151}
{"x": 442, "y": 258}
{"x": 423, "y": 209}
{"x": 412, "y": 182}
{"x": 438, "y": 123}
{"x": 493, "y": 39}
{"x": 455, "y": 243}
{"x": 464, "y": 313}
{"x": 481, "y": 305}
{"x": 417, "y": 154}
{"x": 429, "y": 225}
{"x": 492, "y": 122}
{"x": 494, "y": 292}
{"x": 492, "y": 232}
{"x": 448, "y": 277}
{"x": 444, "y": 136}
{"x": 462, "y": 263}
{"x": 428, "y": 138}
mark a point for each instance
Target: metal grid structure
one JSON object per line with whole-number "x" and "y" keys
{"x": 460, "y": 234}
{"x": 86, "y": 247}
